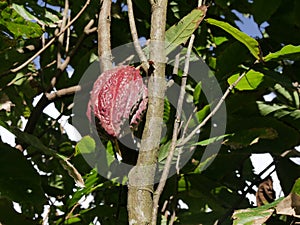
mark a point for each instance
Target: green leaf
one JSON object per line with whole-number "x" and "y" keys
{"x": 110, "y": 156}
{"x": 86, "y": 145}
{"x": 266, "y": 109}
{"x": 8, "y": 215}
{"x": 19, "y": 181}
{"x": 22, "y": 11}
{"x": 290, "y": 52}
{"x": 164, "y": 151}
{"x": 263, "y": 10}
{"x": 18, "y": 26}
{"x": 38, "y": 145}
{"x": 249, "y": 82}
{"x": 295, "y": 114}
{"x": 212, "y": 140}
{"x": 72, "y": 171}
{"x": 296, "y": 99}
{"x": 248, "y": 41}
{"x": 245, "y": 138}
{"x": 180, "y": 32}
{"x": 203, "y": 165}
{"x": 197, "y": 92}
{"x": 281, "y": 90}
{"x": 33, "y": 141}
{"x": 296, "y": 187}
{"x": 295, "y": 197}
{"x": 203, "y": 113}
{"x": 254, "y": 216}
{"x": 91, "y": 184}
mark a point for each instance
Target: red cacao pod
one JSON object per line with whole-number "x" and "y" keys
{"x": 118, "y": 95}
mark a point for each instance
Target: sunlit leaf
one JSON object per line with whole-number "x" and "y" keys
{"x": 201, "y": 114}
{"x": 248, "y": 41}
{"x": 212, "y": 140}
{"x": 281, "y": 90}
{"x": 18, "y": 26}
{"x": 110, "y": 156}
{"x": 249, "y": 82}
{"x": 255, "y": 216}
{"x": 180, "y": 32}
{"x": 197, "y": 92}
{"x": 266, "y": 109}
{"x": 22, "y": 11}
{"x": 86, "y": 145}
{"x": 290, "y": 52}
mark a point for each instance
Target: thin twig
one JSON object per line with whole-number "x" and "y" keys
{"x": 167, "y": 166}
{"x": 213, "y": 112}
{"x": 69, "y": 215}
{"x": 63, "y": 92}
{"x": 127, "y": 60}
{"x": 51, "y": 41}
{"x": 68, "y": 37}
{"x": 63, "y": 66}
{"x": 43, "y": 102}
{"x": 60, "y": 39}
{"x": 184, "y": 132}
{"x": 173, "y": 217}
{"x": 135, "y": 38}
{"x": 176, "y": 64}
{"x": 182, "y": 136}
{"x": 104, "y": 45}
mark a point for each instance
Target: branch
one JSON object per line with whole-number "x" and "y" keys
{"x": 87, "y": 30}
{"x": 65, "y": 91}
{"x": 52, "y": 40}
{"x": 213, "y": 112}
{"x": 135, "y": 38}
{"x": 104, "y": 45}
{"x": 60, "y": 39}
{"x": 43, "y": 102}
{"x": 167, "y": 166}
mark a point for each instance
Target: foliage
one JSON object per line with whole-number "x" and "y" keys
{"x": 51, "y": 170}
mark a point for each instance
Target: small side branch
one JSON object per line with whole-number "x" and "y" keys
{"x": 167, "y": 166}
{"x": 52, "y": 40}
{"x": 44, "y": 101}
{"x": 134, "y": 35}
{"x": 213, "y": 112}
{"x": 63, "y": 92}
{"x": 104, "y": 45}
{"x": 61, "y": 37}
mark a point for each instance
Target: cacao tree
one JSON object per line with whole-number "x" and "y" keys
{"x": 137, "y": 112}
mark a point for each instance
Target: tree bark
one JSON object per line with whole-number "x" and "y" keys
{"x": 141, "y": 177}
{"x": 104, "y": 45}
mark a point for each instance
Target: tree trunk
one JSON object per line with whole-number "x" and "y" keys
{"x": 141, "y": 177}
